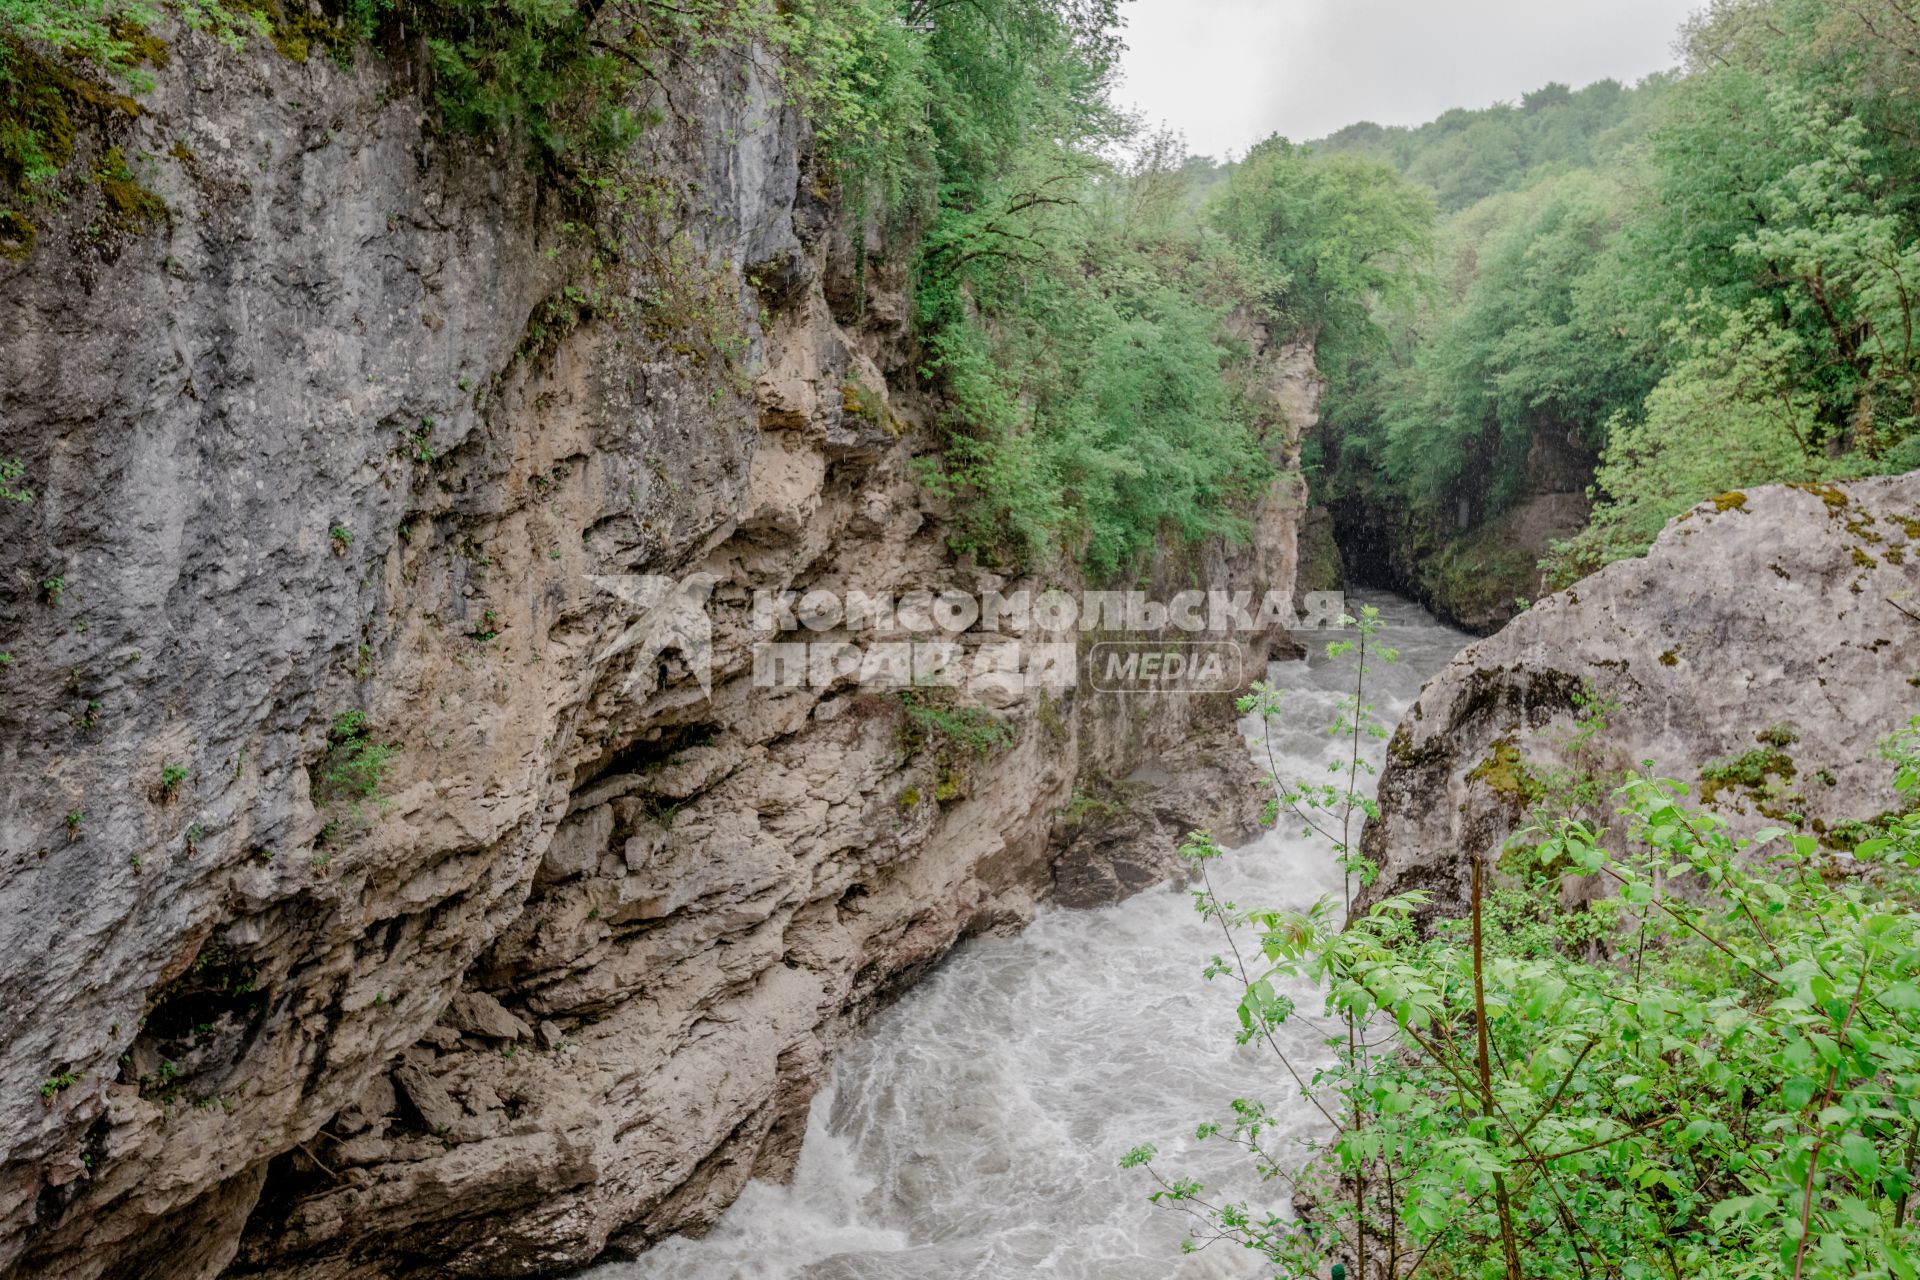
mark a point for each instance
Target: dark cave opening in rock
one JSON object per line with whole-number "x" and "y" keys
{"x": 1364, "y": 535}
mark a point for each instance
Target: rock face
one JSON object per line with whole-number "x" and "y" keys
{"x": 368, "y": 908}
{"x": 1472, "y": 570}
{"x": 1321, "y": 567}
{"x": 1759, "y": 651}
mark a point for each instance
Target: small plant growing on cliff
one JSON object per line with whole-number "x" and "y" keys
{"x": 419, "y": 443}
{"x": 74, "y": 819}
{"x": 163, "y": 1084}
{"x": 10, "y": 473}
{"x": 58, "y": 1083}
{"x": 171, "y": 776}
{"x": 932, "y": 722}
{"x": 342, "y": 538}
{"x": 356, "y": 766}
{"x": 52, "y": 589}
{"x": 859, "y": 402}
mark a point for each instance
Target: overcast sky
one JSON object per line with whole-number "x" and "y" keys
{"x": 1227, "y": 73}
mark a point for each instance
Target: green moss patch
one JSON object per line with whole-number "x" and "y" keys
{"x": 1749, "y": 772}
{"x": 1832, "y": 495}
{"x": 1732, "y": 500}
{"x": 1504, "y": 771}
{"x": 17, "y": 234}
{"x": 142, "y": 47}
{"x": 130, "y": 205}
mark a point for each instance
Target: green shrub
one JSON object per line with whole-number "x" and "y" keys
{"x": 58, "y": 1083}
{"x": 931, "y": 721}
{"x": 355, "y": 766}
{"x": 10, "y": 473}
{"x": 1709, "y": 1067}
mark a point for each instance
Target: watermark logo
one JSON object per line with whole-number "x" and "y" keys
{"x": 999, "y": 646}
{"x": 1140, "y": 666}
{"x": 670, "y": 613}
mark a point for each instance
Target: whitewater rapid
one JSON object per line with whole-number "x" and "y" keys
{"x": 974, "y": 1130}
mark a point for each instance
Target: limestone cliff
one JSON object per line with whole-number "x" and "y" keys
{"x": 365, "y": 910}
{"x": 1758, "y": 652}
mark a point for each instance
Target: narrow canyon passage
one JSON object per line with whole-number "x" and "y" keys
{"x": 975, "y": 1128}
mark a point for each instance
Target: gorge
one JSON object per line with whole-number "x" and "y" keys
{"x": 574, "y": 973}
{"x": 1009, "y": 1079}
{"x": 415, "y": 862}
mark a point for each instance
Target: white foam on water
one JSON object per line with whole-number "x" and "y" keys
{"x": 973, "y": 1131}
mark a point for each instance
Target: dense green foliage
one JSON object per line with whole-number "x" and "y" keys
{"x": 1074, "y": 319}
{"x": 1710, "y": 1067}
{"x": 1465, "y": 156}
{"x": 1087, "y": 369}
{"x": 1342, "y": 232}
{"x": 1524, "y": 348}
{"x": 1781, "y": 242}
{"x": 1697, "y": 285}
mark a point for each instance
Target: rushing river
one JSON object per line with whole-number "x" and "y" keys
{"x": 973, "y": 1131}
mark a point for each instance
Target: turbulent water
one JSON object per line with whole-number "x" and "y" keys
{"x": 974, "y": 1130}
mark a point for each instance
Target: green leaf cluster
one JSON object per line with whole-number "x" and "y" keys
{"x": 1678, "y": 1053}
{"x": 355, "y": 767}
{"x": 1092, "y": 345}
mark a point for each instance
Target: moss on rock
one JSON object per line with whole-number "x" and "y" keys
{"x": 17, "y": 234}
{"x": 131, "y": 206}
{"x": 1748, "y": 772}
{"x": 1505, "y": 772}
{"x": 36, "y": 127}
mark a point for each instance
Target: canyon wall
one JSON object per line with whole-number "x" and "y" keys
{"x": 368, "y": 908}
{"x": 1473, "y": 570}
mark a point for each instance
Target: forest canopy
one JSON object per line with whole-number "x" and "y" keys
{"x": 1698, "y": 284}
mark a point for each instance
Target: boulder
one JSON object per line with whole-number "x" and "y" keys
{"x": 479, "y": 1014}
{"x": 428, "y": 1097}
{"x": 1758, "y": 652}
